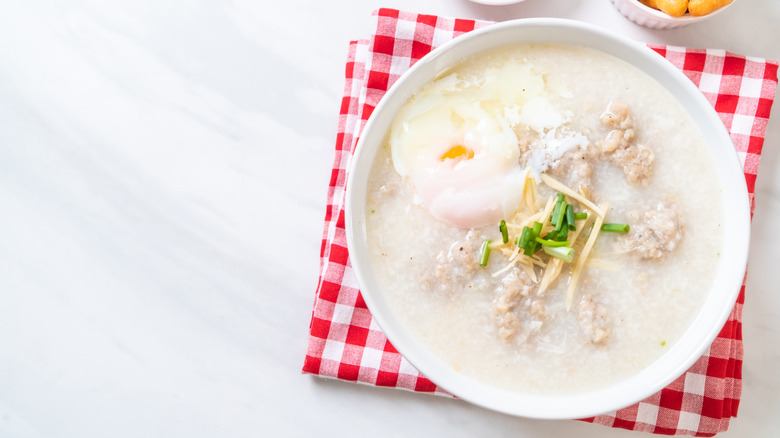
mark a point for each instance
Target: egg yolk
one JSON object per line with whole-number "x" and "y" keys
{"x": 458, "y": 152}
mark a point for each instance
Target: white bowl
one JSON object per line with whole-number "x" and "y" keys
{"x": 736, "y": 223}
{"x": 655, "y": 19}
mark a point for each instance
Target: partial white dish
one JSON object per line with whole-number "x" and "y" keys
{"x": 655, "y": 19}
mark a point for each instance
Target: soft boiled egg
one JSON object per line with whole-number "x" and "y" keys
{"x": 458, "y": 149}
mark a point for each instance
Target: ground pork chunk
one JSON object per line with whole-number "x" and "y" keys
{"x": 518, "y": 313}
{"x": 566, "y": 154}
{"x": 654, "y": 232}
{"x": 593, "y": 319}
{"x": 456, "y": 264}
{"x": 575, "y": 167}
{"x": 617, "y": 116}
{"x": 620, "y": 147}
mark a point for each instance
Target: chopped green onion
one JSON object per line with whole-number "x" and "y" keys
{"x": 552, "y": 242}
{"x": 563, "y": 234}
{"x": 570, "y": 217}
{"x": 580, "y": 216}
{"x": 537, "y": 228}
{"x": 555, "y": 212}
{"x": 504, "y": 232}
{"x": 559, "y": 221}
{"x": 525, "y": 237}
{"x": 527, "y": 241}
{"x": 615, "y": 228}
{"x": 560, "y": 204}
{"x": 565, "y": 253}
{"x": 483, "y": 259}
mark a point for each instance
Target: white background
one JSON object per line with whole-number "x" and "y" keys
{"x": 163, "y": 176}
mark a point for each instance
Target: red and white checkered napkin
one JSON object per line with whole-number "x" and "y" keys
{"x": 346, "y": 343}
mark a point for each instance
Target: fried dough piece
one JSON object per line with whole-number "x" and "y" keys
{"x": 704, "y": 7}
{"x": 675, "y": 8}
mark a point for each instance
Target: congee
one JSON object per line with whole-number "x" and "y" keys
{"x": 544, "y": 218}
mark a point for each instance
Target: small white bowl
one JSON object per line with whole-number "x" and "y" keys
{"x": 735, "y": 222}
{"x": 655, "y": 19}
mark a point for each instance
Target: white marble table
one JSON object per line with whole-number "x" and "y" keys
{"x": 163, "y": 172}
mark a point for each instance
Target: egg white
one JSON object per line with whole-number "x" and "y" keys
{"x": 454, "y": 114}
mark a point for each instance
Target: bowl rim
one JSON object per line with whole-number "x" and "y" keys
{"x": 683, "y": 353}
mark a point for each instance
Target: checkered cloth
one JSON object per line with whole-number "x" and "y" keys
{"x": 347, "y": 344}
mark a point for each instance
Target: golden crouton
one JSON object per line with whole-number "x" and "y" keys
{"x": 704, "y": 7}
{"x": 675, "y": 8}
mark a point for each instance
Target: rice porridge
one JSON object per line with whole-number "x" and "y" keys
{"x": 583, "y": 188}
